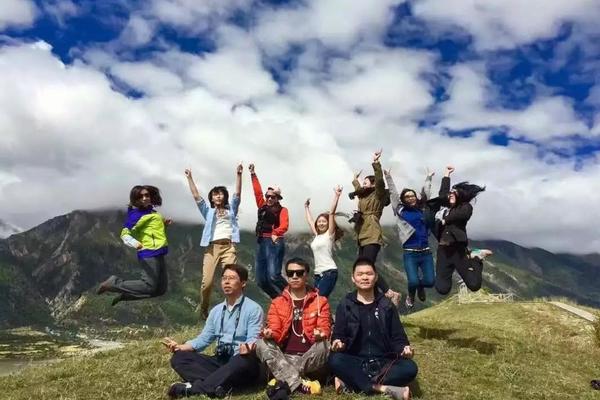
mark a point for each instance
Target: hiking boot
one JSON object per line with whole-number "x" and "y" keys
{"x": 309, "y": 387}
{"x": 480, "y": 253}
{"x": 398, "y": 392}
{"x": 106, "y": 285}
{"x": 421, "y": 293}
{"x": 179, "y": 390}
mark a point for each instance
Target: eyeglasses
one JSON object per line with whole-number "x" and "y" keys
{"x": 297, "y": 272}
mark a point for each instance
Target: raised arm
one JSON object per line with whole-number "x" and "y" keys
{"x": 258, "y": 193}
{"x": 308, "y": 216}
{"x": 355, "y": 181}
{"x": 394, "y": 195}
{"x": 238, "y": 180}
{"x": 336, "y": 198}
{"x": 445, "y": 186}
{"x": 379, "y": 182}
{"x": 192, "y": 185}
{"x": 426, "y": 189}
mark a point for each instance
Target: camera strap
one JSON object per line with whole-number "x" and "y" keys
{"x": 237, "y": 320}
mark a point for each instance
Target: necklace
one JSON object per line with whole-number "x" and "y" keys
{"x": 297, "y": 316}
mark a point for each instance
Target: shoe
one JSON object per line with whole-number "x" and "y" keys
{"x": 221, "y": 392}
{"x": 278, "y": 390}
{"x": 410, "y": 301}
{"x": 398, "y": 392}
{"x": 309, "y": 387}
{"x": 179, "y": 390}
{"x": 480, "y": 253}
{"x": 106, "y": 285}
{"x": 421, "y": 293}
{"x": 595, "y": 384}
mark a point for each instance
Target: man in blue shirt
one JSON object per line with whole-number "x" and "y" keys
{"x": 234, "y": 325}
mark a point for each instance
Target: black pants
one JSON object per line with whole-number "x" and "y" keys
{"x": 153, "y": 280}
{"x": 456, "y": 256}
{"x": 349, "y": 369}
{"x": 371, "y": 251}
{"x": 206, "y": 373}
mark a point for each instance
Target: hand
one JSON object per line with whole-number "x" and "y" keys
{"x": 449, "y": 170}
{"x": 251, "y": 168}
{"x": 429, "y": 173}
{"x": 139, "y": 246}
{"x": 337, "y": 345}
{"x": 274, "y": 238}
{"x": 168, "y": 221}
{"x": 172, "y": 345}
{"x": 357, "y": 174}
{"x": 377, "y": 155}
{"x": 307, "y": 203}
{"x": 188, "y": 173}
{"x": 338, "y": 190}
{"x": 240, "y": 169}
{"x": 267, "y": 333}
{"x": 407, "y": 352}
{"x": 388, "y": 171}
{"x": 246, "y": 348}
{"x": 318, "y": 335}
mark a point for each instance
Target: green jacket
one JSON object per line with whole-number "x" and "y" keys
{"x": 371, "y": 204}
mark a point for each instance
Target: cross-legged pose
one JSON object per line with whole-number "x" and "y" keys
{"x": 372, "y": 198}
{"x": 411, "y": 212}
{"x": 295, "y": 341}
{"x": 326, "y": 233}
{"x": 144, "y": 230}
{"x": 220, "y": 231}
{"x": 234, "y": 325}
{"x": 370, "y": 350}
{"x": 453, "y": 253}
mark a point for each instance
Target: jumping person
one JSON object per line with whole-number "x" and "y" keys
{"x": 411, "y": 212}
{"x": 453, "y": 253}
{"x": 326, "y": 234}
{"x": 144, "y": 230}
{"x": 220, "y": 231}
{"x": 272, "y": 224}
{"x": 372, "y": 198}
{"x": 370, "y": 350}
{"x": 235, "y": 326}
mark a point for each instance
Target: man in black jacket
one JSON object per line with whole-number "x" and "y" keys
{"x": 370, "y": 350}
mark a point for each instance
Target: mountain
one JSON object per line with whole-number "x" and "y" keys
{"x": 48, "y": 274}
{"x": 7, "y": 229}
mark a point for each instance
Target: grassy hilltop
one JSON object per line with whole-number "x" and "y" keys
{"x": 476, "y": 351}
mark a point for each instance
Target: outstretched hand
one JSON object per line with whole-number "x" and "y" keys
{"x": 377, "y": 155}
{"x": 240, "y": 168}
{"x": 251, "y": 168}
{"x": 337, "y": 345}
{"x": 307, "y": 203}
{"x": 429, "y": 172}
{"x": 407, "y": 352}
{"x": 338, "y": 190}
{"x": 449, "y": 170}
{"x": 267, "y": 333}
{"x": 188, "y": 173}
{"x": 357, "y": 174}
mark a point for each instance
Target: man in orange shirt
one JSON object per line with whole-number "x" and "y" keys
{"x": 295, "y": 341}
{"x": 272, "y": 224}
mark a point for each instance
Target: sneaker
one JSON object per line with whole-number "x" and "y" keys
{"x": 421, "y": 293}
{"x": 595, "y": 384}
{"x": 409, "y": 302}
{"x": 310, "y": 387}
{"x": 179, "y": 389}
{"x": 106, "y": 285}
{"x": 480, "y": 253}
{"x": 398, "y": 392}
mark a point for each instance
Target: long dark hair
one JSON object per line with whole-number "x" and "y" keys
{"x": 222, "y": 190}
{"x": 420, "y": 201}
{"x": 465, "y": 191}
{"x": 339, "y": 233}
{"x": 135, "y": 196}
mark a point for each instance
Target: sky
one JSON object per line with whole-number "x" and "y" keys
{"x": 100, "y": 96}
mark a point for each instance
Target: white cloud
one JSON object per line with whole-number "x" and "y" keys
{"x": 17, "y": 13}
{"x": 507, "y": 23}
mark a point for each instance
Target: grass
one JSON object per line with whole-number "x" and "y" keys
{"x": 476, "y": 351}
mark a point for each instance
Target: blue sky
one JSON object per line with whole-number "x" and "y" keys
{"x": 480, "y": 84}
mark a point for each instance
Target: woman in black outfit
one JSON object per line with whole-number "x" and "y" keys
{"x": 451, "y": 232}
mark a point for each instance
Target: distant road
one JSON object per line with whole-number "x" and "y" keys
{"x": 574, "y": 310}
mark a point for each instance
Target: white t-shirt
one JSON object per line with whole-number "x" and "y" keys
{"x": 223, "y": 228}
{"x": 322, "y": 247}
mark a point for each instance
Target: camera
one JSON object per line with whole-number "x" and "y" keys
{"x": 357, "y": 218}
{"x": 224, "y": 351}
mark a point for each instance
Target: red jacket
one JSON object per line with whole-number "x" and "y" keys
{"x": 284, "y": 221}
{"x": 316, "y": 315}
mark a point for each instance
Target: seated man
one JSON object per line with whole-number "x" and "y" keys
{"x": 295, "y": 342}
{"x": 235, "y": 325}
{"x": 370, "y": 350}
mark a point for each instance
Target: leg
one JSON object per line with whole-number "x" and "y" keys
{"x": 401, "y": 373}
{"x": 443, "y": 270}
{"x": 275, "y": 252}
{"x": 240, "y": 371}
{"x": 469, "y": 269}
{"x": 269, "y": 353}
{"x": 412, "y": 276}
{"x": 315, "y": 358}
{"x": 349, "y": 369}
{"x": 261, "y": 266}
{"x": 208, "y": 272}
{"x": 326, "y": 282}
{"x": 192, "y": 366}
{"x": 143, "y": 288}
{"x": 427, "y": 269}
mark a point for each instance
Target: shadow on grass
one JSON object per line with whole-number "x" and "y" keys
{"x": 476, "y": 344}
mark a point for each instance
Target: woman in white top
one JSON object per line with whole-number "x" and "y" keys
{"x": 326, "y": 233}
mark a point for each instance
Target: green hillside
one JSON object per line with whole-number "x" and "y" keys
{"x": 479, "y": 351}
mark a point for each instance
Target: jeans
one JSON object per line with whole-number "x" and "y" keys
{"x": 326, "y": 282}
{"x": 415, "y": 260}
{"x": 269, "y": 260}
{"x": 349, "y": 369}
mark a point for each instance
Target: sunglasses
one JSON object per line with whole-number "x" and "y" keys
{"x": 297, "y": 272}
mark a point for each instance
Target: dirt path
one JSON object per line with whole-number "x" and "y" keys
{"x": 574, "y": 310}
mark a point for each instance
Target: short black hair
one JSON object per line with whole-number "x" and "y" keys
{"x": 363, "y": 261}
{"x": 299, "y": 261}
{"x": 219, "y": 189}
{"x": 238, "y": 269}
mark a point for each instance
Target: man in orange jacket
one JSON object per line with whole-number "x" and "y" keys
{"x": 295, "y": 341}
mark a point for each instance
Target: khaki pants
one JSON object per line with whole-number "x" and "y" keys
{"x": 216, "y": 254}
